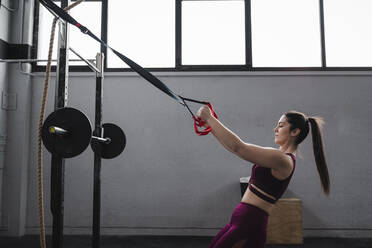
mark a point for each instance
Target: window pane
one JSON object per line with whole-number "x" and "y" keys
{"x": 143, "y": 30}
{"x": 348, "y": 32}
{"x": 213, "y": 33}
{"x": 87, "y": 13}
{"x": 45, "y": 25}
{"x": 285, "y": 33}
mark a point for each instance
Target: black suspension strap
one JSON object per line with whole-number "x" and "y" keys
{"x": 51, "y": 6}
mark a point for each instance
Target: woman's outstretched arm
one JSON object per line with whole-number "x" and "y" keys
{"x": 263, "y": 156}
{"x": 225, "y": 136}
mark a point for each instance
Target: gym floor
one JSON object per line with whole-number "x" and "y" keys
{"x": 170, "y": 242}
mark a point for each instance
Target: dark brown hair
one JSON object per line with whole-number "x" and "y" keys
{"x": 304, "y": 123}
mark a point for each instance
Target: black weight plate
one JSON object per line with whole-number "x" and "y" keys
{"x": 115, "y": 147}
{"x": 79, "y": 132}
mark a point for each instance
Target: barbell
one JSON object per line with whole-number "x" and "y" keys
{"x": 67, "y": 132}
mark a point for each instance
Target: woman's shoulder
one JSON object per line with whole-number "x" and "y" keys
{"x": 289, "y": 158}
{"x": 268, "y": 157}
{"x": 288, "y": 168}
{"x": 287, "y": 155}
{"x": 293, "y": 156}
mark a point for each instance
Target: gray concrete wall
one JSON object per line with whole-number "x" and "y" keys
{"x": 170, "y": 181}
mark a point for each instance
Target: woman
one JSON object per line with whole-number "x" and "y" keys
{"x": 271, "y": 174}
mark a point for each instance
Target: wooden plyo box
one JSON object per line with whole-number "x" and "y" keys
{"x": 285, "y": 222}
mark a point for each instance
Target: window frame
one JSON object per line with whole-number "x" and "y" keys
{"x": 248, "y": 49}
{"x": 178, "y": 47}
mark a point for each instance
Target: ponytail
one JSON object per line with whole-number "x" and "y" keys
{"x": 316, "y": 124}
{"x": 300, "y": 121}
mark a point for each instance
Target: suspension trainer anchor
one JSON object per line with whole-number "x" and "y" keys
{"x": 68, "y": 132}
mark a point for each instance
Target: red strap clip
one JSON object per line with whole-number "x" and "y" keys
{"x": 199, "y": 123}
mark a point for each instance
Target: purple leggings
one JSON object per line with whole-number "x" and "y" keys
{"x": 247, "y": 227}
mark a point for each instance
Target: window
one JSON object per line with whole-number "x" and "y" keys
{"x": 242, "y": 35}
{"x": 45, "y": 25}
{"x": 285, "y": 33}
{"x": 348, "y": 33}
{"x": 84, "y": 45}
{"x": 142, "y": 30}
{"x": 213, "y": 33}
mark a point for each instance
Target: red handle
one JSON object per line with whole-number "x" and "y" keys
{"x": 199, "y": 123}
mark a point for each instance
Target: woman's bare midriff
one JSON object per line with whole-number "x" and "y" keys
{"x": 250, "y": 198}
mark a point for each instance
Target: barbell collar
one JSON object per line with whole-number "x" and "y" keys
{"x": 103, "y": 140}
{"x": 57, "y": 130}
